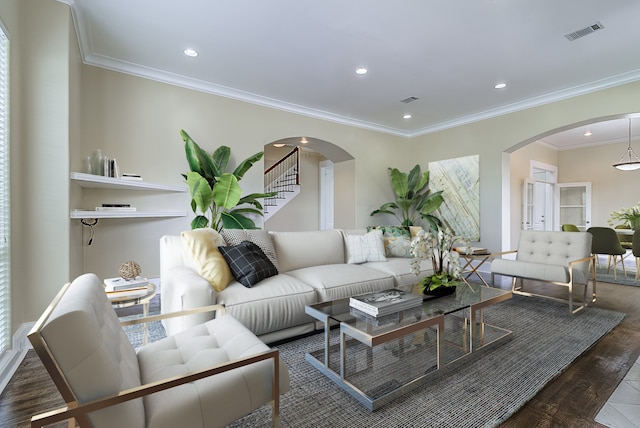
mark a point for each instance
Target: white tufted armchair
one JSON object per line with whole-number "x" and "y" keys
{"x": 560, "y": 258}
{"x": 206, "y": 376}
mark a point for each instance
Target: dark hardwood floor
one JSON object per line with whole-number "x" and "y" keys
{"x": 573, "y": 399}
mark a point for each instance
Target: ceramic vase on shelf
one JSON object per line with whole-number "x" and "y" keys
{"x": 87, "y": 167}
{"x": 97, "y": 162}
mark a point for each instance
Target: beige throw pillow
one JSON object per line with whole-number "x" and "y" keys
{"x": 202, "y": 246}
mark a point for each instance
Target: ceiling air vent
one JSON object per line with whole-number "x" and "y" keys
{"x": 583, "y": 32}
{"x": 408, "y": 100}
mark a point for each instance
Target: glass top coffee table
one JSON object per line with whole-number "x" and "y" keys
{"x": 377, "y": 359}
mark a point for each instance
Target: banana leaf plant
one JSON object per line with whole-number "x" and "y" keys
{"x": 413, "y": 199}
{"x": 216, "y": 195}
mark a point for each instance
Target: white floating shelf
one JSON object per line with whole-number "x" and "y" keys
{"x": 125, "y": 214}
{"x": 101, "y": 182}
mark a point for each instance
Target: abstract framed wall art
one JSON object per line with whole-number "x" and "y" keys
{"x": 459, "y": 179}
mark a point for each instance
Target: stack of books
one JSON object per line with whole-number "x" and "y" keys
{"x": 472, "y": 251}
{"x": 111, "y": 168}
{"x": 385, "y": 302}
{"x": 119, "y": 287}
{"x": 130, "y": 176}
{"x": 116, "y": 207}
{"x": 383, "y": 320}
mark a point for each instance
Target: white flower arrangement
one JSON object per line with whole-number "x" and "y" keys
{"x": 630, "y": 216}
{"x": 438, "y": 248}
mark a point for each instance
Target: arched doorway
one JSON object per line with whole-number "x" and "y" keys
{"x": 311, "y": 209}
{"x": 580, "y": 158}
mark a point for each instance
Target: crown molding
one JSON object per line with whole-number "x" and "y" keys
{"x": 86, "y": 48}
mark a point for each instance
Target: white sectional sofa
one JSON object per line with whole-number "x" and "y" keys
{"x": 312, "y": 267}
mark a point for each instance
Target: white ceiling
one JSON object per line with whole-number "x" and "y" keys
{"x": 301, "y": 55}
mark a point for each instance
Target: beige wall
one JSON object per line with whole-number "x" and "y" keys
{"x": 490, "y": 138}
{"x": 137, "y": 121}
{"x": 520, "y": 165}
{"x": 610, "y": 189}
{"x": 40, "y": 204}
{"x": 66, "y": 111}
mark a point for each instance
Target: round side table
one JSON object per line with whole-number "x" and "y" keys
{"x": 119, "y": 300}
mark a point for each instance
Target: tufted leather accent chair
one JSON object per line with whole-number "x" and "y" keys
{"x": 206, "y": 376}
{"x": 558, "y": 258}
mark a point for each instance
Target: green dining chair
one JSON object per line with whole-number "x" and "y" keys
{"x": 625, "y": 238}
{"x": 635, "y": 250}
{"x": 570, "y": 228}
{"x": 605, "y": 241}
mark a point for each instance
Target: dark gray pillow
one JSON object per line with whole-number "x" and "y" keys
{"x": 260, "y": 237}
{"x": 248, "y": 263}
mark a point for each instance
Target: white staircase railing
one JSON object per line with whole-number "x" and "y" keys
{"x": 284, "y": 178}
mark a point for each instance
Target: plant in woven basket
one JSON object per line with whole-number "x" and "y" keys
{"x": 216, "y": 196}
{"x": 436, "y": 246}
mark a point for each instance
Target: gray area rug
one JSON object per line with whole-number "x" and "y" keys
{"x": 602, "y": 275}
{"x": 155, "y": 330}
{"x": 483, "y": 392}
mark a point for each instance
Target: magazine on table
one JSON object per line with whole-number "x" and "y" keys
{"x": 121, "y": 284}
{"x": 385, "y": 302}
{"x": 392, "y": 318}
{"x": 472, "y": 251}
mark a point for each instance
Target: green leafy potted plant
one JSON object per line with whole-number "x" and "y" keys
{"x": 413, "y": 199}
{"x": 216, "y": 195}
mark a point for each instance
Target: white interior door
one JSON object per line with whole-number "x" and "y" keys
{"x": 538, "y": 205}
{"x": 539, "y": 197}
{"x": 326, "y": 195}
{"x": 573, "y": 201}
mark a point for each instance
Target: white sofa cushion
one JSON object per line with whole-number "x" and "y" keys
{"x": 400, "y": 269}
{"x": 540, "y": 271}
{"x": 275, "y": 303}
{"x": 337, "y": 281}
{"x": 298, "y": 250}
{"x": 214, "y": 401}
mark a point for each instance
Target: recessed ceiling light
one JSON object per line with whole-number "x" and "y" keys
{"x": 588, "y": 134}
{"x": 304, "y": 140}
{"x": 278, "y": 144}
{"x": 191, "y": 52}
{"x": 361, "y": 70}
{"x": 500, "y": 85}
{"x": 406, "y": 116}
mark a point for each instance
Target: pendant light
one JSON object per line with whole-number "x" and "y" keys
{"x": 628, "y": 161}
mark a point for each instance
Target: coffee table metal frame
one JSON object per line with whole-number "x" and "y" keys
{"x": 474, "y": 327}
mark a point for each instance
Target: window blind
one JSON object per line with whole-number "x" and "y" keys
{"x": 5, "y": 282}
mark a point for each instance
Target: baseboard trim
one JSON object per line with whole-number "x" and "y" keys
{"x": 10, "y": 360}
